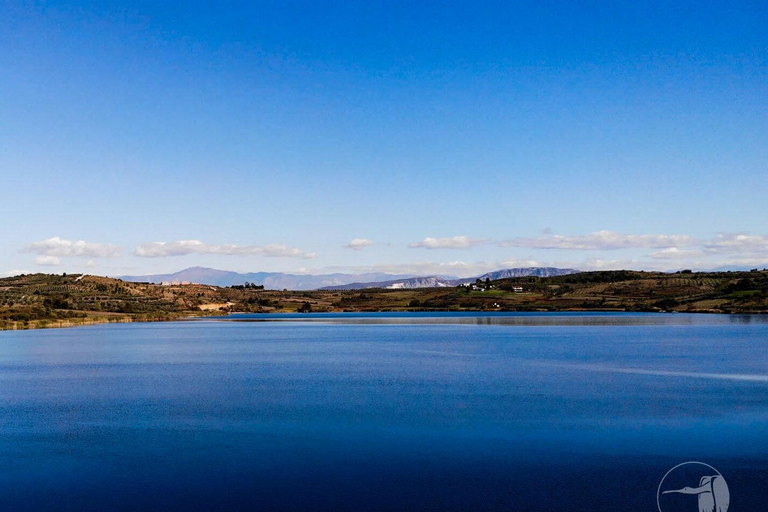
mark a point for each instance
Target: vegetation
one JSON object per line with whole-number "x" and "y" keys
{"x": 43, "y": 300}
{"x": 247, "y": 286}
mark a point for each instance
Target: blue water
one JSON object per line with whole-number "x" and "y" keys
{"x": 382, "y": 412}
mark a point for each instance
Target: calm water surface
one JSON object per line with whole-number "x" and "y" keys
{"x": 382, "y": 412}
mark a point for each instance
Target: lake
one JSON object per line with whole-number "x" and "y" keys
{"x": 382, "y": 412}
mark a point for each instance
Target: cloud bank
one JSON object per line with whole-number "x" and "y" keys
{"x": 601, "y": 240}
{"x": 61, "y": 248}
{"x": 454, "y": 242}
{"x": 675, "y": 253}
{"x": 185, "y": 247}
{"x": 48, "y": 261}
{"x": 729, "y": 243}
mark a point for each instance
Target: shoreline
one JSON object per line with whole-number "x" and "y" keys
{"x": 39, "y": 301}
{"x": 190, "y": 316}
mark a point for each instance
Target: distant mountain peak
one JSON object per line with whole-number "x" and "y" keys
{"x": 270, "y": 280}
{"x": 529, "y": 271}
{"x": 338, "y": 281}
{"x": 442, "y": 282}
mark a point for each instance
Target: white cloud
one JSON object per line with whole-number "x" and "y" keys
{"x": 454, "y": 242}
{"x": 519, "y": 264}
{"x": 60, "y": 247}
{"x": 13, "y": 273}
{"x": 759, "y": 262}
{"x": 744, "y": 249}
{"x": 737, "y": 243}
{"x": 601, "y": 240}
{"x": 616, "y": 264}
{"x": 358, "y": 244}
{"x": 184, "y": 247}
{"x": 48, "y": 261}
{"x": 673, "y": 253}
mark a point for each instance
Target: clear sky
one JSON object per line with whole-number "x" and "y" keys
{"x": 425, "y": 137}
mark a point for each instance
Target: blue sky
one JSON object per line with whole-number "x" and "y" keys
{"x": 445, "y": 137}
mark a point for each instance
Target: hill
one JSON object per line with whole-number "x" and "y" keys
{"x": 43, "y": 300}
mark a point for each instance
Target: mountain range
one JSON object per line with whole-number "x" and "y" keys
{"x": 270, "y": 280}
{"x": 336, "y": 281}
{"x": 443, "y": 282}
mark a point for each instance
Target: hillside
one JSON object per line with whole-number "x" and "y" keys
{"x": 42, "y": 300}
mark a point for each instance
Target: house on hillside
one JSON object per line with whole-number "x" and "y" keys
{"x": 479, "y": 285}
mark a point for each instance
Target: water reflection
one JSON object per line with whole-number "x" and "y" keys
{"x": 422, "y": 412}
{"x": 512, "y": 319}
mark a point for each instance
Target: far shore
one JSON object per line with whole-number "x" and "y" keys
{"x": 38, "y": 301}
{"x": 206, "y": 314}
